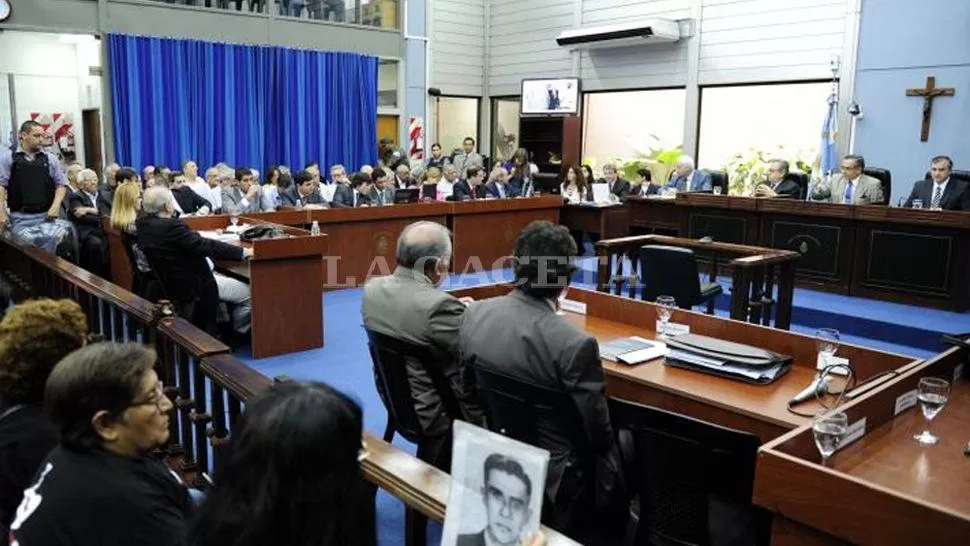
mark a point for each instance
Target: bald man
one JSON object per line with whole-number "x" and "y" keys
{"x": 408, "y": 306}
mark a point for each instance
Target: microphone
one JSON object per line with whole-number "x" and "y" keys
{"x": 819, "y": 386}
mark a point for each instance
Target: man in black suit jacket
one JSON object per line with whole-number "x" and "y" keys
{"x": 778, "y": 185}
{"x": 499, "y": 186}
{"x": 189, "y": 201}
{"x": 82, "y": 207}
{"x": 643, "y": 185}
{"x": 618, "y": 187}
{"x": 179, "y": 256}
{"x": 357, "y": 193}
{"x": 470, "y": 188}
{"x": 953, "y": 194}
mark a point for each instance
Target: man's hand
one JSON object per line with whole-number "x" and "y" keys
{"x": 204, "y": 211}
{"x": 247, "y": 253}
{"x": 763, "y": 190}
{"x": 467, "y": 300}
{"x": 538, "y": 539}
{"x": 53, "y": 213}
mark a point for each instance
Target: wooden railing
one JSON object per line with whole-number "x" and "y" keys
{"x": 208, "y": 385}
{"x": 754, "y": 272}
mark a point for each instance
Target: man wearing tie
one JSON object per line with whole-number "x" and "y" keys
{"x": 618, "y": 187}
{"x": 686, "y": 178}
{"x": 851, "y": 187}
{"x": 941, "y": 192}
{"x": 777, "y": 184}
{"x": 383, "y": 193}
{"x": 643, "y": 186}
{"x": 499, "y": 186}
{"x": 470, "y": 188}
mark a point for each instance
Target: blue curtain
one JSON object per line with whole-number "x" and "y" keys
{"x": 175, "y": 100}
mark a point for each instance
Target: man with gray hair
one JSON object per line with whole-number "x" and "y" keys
{"x": 407, "y": 306}
{"x": 618, "y": 187}
{"x": 182, "y": 259}
{"x": 82, "y": 208}
{"x": 778, "y": 183}
{"x": 686, "y": 178}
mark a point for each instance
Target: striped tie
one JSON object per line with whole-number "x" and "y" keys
{"x": 937, "y": 196}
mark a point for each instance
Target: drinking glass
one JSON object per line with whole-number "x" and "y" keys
{"x": 917, "y": 203}
{"x": 560, "y": 300}
{"x": 932, "y": 393}
{"x": 234, "y": 220}
{"x": 665, "y": 309}
{"x": 826, "y": 343}
{"x": 828, "y": 430}
{"x": 717, "y": 190}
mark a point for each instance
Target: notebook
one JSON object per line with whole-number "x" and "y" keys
{"x": 632, "y": 350}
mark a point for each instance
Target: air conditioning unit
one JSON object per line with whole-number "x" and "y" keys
{"x": 651, "y": 31}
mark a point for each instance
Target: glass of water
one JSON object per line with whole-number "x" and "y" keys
{"x": 917, "y": 203}
{"x": 234, "y": 220}
{"x": 665, "y": 308}
{"x": 826, "y": 343}
{"x": 932, "y": 393}
{"x": 717, "y": 190}
{"x": 828, "y": 431}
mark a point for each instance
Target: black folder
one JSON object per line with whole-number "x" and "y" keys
{"x": 726, "y": 359}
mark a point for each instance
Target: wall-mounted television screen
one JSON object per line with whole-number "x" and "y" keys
{"x": 544, "y": 97}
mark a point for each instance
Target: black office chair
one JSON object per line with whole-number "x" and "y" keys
{"x": 144, "y": 283}
{"x": 694, "y": 479}
{"x": 885, "y": 178}
{"x": 719, "y": 179}
{"x": 514, "y": 408}
{"x": 672, "y": 271}
{"x": 390, "y": 357}
{"x": 801, "y": 179}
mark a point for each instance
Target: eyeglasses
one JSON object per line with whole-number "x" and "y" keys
{"x": 155, "y": 398}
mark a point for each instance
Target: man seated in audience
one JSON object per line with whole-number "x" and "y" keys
{"x": 431, "y": 184}
{"x": 618, "y": 187}
{"x": 126, "y": 174}
{"x": 302, "y": 194}
{"x": 384, "y": 190}
{"x": 520, "y": 336}
{"x": 402, "y": 177}
{"x": 499, "y": 186}
{"x": 778, "y": 185}
{"x": 164, "y": 171}
{"x": 390, "y": 155}
{"x": 33, "y": 181}
{"x": 408, "y": 306}
{"x": 83, "y": 210}
{"x": 111, "y": 411}
{"x": 189, "y": 201}
{"x": 212, "y": 179}
{"x": 34, "y": 336}
{"x": 243, "y": 196}
{"x": 449, "y": 176}
{"x": 686, "y": 178}
{"x": 851, "y": 187}
{"x": 71, "y": 172}
{"x": 182, "y": 259}
{"x": 148, "y": 173}
{"x": 338, "y": 178}
{"x": 468, "y": 157}
{"x": 643, "y": 185}
{"x": 106, "y": 192}
{"x": 358, "y": 192}
{"x": 367, "y": 169}
{"x": 941, "y": 191}
{"x": 160, "y": 181}
{"x": 197, "y": 183}
{"x": 472, "y": 187}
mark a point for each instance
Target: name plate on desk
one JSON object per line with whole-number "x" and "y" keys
{"x": 573, "y": 306}
{"x": 673, "y": 329}
{"x": 853, "y": 432}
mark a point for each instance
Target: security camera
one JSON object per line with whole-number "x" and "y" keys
{"x": 855, "y": 110}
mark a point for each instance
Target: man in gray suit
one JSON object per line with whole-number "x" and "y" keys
{"x": 408, "y": 306}
{"x": 851, "y": 187}
{"x": 687, "y": 178}
{"x": 520, "y": 336}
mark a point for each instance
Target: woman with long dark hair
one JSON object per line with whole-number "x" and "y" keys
{"x": 575, "y": 189}
{"x": 291, "y": 475}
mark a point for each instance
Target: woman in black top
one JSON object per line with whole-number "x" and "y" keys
{"x": 291, "y": 476}
{"x": 436, "y": 159}
{"x": 100, "y": 486}
{"x": 34, "y": 336}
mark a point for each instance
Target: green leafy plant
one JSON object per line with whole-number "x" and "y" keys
{"x": 749, "y": 168}
{"x": 660, "y": 161}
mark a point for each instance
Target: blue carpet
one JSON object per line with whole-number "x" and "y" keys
{"x": 344, "y": 361}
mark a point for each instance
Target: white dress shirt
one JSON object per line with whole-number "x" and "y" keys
{"x": 942, "y": 186}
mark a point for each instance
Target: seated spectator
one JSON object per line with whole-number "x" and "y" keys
{"x": 270, "y": 190}
{"x": 472, "y": 187}
{"x": 777, "y": 184}
{"x": 82, "y": 207}
{"x": 384, "y": 190}
{"x": 111, "y": 412}
{"x": 521, "y": 173}
{"x": 436, "y": 159}
{"x": 109, "y": 176}
{"x": 124, "y": 211}
{"x": 215, "y": 189}
{"x": 243, "y": 195}
{"x": 643, "y": 185}
{"x": 338, "y": 177}
{"x": 407, "y": 305}
{"x": 574, "y": 187}
{"x": 182, "y": 259}
{"x": 618, "y": 187}
{"x": 402, "y": 177}
{"x": 124, "y": 174}
{"x": 34, "y": 336}
{"x": 357, "y": 192}
{"x": 189, "y": 201}
{"x": 302, "y": 194}
{"x": 367, "y": 169}
{"x": 498, "y": 185}
{"x": 449, "y": 177}
{"x": 148, "y": 174}
{"x": 541, "y": 348}
{"x": 291, "y": 476}
{"x": 431, "y": 186}
{"x": 197, "y": 183}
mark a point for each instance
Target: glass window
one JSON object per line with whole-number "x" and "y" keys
{"x": 387, "y": 76}
{"x": 751, "y": 121}
{"x": 505, "y": 128}
{"x": 633, "y": 128}
{"x": 457, "y": 118}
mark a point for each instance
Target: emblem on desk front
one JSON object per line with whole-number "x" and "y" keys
{"x": 382, "y": 241}
{"x": 803, "y": 248}
{"x": 801, "y": 242}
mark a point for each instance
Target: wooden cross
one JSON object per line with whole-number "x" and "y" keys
{"x": 930, "y": 92}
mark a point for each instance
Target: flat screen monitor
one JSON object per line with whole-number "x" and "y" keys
{"x": 548, "y": 183}
{"x": 407, "y": 195}
{"x": 550, "y": 97}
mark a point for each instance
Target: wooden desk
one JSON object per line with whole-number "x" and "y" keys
{"x": 761, "y": 410}
{"x": 908, "y": 255}
{"x": 485, "y": 230}
{"x": 607, "y": 222}
{"x": 884, "y": 488}
{"x": 286, "y": 279}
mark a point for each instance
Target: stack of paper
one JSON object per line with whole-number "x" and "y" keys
{"x": 632, "y": 350}
{"x": 724, "y": 367}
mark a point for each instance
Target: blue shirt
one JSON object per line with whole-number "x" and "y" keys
{"x": 6, "y": 165}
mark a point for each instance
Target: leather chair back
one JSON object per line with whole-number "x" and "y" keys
{"x": 885, "y": 177}
{"x": 670, "y": 271}
{"x": 719, "y": 179}
{"x": 954, "y": 174}
{"x": 801, "y": 179}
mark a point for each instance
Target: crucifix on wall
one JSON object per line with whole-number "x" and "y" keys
{"x": 930, "y": 92}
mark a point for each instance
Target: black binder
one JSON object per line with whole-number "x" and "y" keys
{"x": 726, "y": 359}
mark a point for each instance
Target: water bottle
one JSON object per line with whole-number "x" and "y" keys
{"x": 315, "y": 228}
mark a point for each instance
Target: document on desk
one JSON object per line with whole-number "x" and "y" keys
{"x": 632, "y": 350}
{"x": 725, "y": 367}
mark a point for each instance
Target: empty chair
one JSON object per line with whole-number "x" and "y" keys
{"x": 694, "y": 479}
{"x": 672, "y": 271}
{"x": 885, "y": 178}
{"x": 801, "y": 179}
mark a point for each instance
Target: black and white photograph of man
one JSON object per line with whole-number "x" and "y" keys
{"x": 506, "y": 494}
